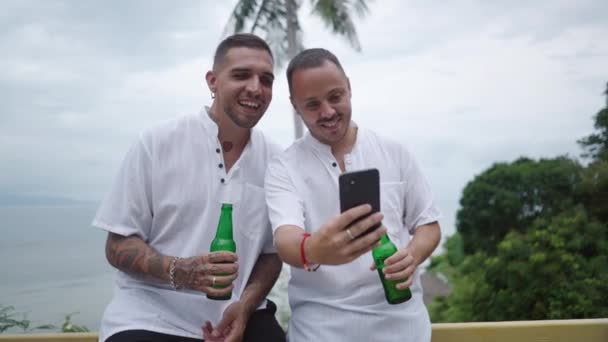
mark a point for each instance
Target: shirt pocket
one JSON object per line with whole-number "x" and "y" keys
{"x": 251, "y": 219}
{"x": 392, "y": 205}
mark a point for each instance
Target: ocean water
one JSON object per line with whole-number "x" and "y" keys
{"x": 52, "y": 263}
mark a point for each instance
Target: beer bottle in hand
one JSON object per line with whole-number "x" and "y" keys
{"x": 223, "y": 241}
{"x": 391, "y": 292}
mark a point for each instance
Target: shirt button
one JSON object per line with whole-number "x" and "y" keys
{"x": 222, "y": 180}
{"x": 217, "y": 150}
{"x": 220, "y": 165}
{"x": 334, "y": 164}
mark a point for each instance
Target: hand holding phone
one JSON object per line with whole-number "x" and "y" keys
{"x": 355, "y": 231}
{"x": 339, "y": 241}
{"x": 360, "y": 187}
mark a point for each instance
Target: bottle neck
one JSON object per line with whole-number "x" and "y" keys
{"x": 224, "y": 227}
{"x": 384, "y": 239}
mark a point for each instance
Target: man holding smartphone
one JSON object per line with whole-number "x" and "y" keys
{"x": 334, "y": 293}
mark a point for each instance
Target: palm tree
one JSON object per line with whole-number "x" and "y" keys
{"x": 278, "y": 19}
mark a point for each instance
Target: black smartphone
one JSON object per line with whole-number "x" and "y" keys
{"x": 360, "y": 187}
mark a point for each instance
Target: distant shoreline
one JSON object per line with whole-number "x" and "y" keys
{"x": 17, "y": 200}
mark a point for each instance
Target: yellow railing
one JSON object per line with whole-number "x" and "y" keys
{"x": 576, "y": 330}
{"x": 72, "y": 337}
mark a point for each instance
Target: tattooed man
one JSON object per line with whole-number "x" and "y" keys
{"x": 162, "y": 212}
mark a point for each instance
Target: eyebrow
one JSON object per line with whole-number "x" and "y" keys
{"x": 269, "y": 74}
{"x": 331, "y": 92}
{"x": 337, "y": 91}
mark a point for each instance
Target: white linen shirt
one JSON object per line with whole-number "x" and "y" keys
{"x": 169, "y": 192}
{"x": 346, "y": 302}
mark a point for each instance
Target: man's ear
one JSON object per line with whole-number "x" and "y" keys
{"x": 211, "y": 81}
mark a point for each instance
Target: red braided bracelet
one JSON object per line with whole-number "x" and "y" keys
{"x": 307, "y": 267}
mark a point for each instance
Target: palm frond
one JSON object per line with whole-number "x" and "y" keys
{"x": 267, "y": 18}
{"x": 272, "y": 16}
{"x": 337, "y": 16}
{"x": 361, "y": 8}
{"x": 264, "y": 8}
{"x": 243, "y": 11}
{"x": 278, "y": 42}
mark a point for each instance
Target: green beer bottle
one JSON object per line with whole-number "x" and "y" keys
{"x": 223, "y": 241}
{"x": 391, "y": 292}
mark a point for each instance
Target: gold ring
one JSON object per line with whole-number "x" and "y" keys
{"x": 350, "y": 235}
{"x": 213, "y": 281}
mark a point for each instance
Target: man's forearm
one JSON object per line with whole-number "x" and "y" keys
{"x": 263, "y": 276}
{"x": 287, "y": 240}
{"x": 425, "y": 240}
{"x": 132, "y": 255}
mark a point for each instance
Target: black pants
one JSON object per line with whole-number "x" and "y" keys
{"x": 262, "y": 326}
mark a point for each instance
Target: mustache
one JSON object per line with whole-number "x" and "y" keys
{"x": 330, "y": 119}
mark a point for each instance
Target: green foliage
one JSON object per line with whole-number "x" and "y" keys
{"x": 510, "y": 196}
{"x": 10, "y": 319}
{"x": 596, "y": 144}
{"x": 458, "y": 307}
{"x": 448, "y": 262}
{"x": 555, "y": 270}
{"x": 532, "y": 240}
{"x": 593, "y": 190}
{"x": 69, "y": 327}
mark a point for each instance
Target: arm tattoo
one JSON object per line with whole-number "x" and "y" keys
{"x": 132, "y": 255}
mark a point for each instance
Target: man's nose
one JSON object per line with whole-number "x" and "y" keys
{"x": 327, "y": 111}
{"x": 253, "y": 85}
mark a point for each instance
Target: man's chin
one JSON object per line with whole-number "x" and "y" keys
{"x": 325, "y": 139}
{"x": 245, "y": 120}
{"x": 248, "y": 123}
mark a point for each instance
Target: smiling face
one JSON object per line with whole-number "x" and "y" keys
{"x": 242, "y": 84}
{"x": 322, "y": 95}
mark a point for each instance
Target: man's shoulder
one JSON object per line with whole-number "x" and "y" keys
{"x": 292, "y": 152}
{"x": 384, "y": 142}
{"x": 165, "y": 130}
{"x": 171, "y": 124}
{"x": 287, "y": 160}
{"x": 265, "y": 143}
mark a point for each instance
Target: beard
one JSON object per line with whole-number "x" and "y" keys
{"x": 330, "y": 138}
{"x": 243, "y": 121}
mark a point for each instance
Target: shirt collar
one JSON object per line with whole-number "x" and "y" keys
{"x": 209, "y": 125}
{"x": 313, "y": 142}
{"x": 212, "y": 129}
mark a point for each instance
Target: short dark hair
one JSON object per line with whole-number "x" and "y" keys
{"x": 246, "y": 40}
{"x": 310, "y": 58}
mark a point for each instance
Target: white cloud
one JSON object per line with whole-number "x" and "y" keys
{"x": 464, "y": 84}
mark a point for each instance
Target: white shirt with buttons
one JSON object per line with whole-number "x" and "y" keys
{"x": 346, "y": 302}
{"x": 169, "y": 191}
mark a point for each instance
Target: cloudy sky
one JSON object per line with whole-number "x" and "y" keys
{"x": 464, "y": 84}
